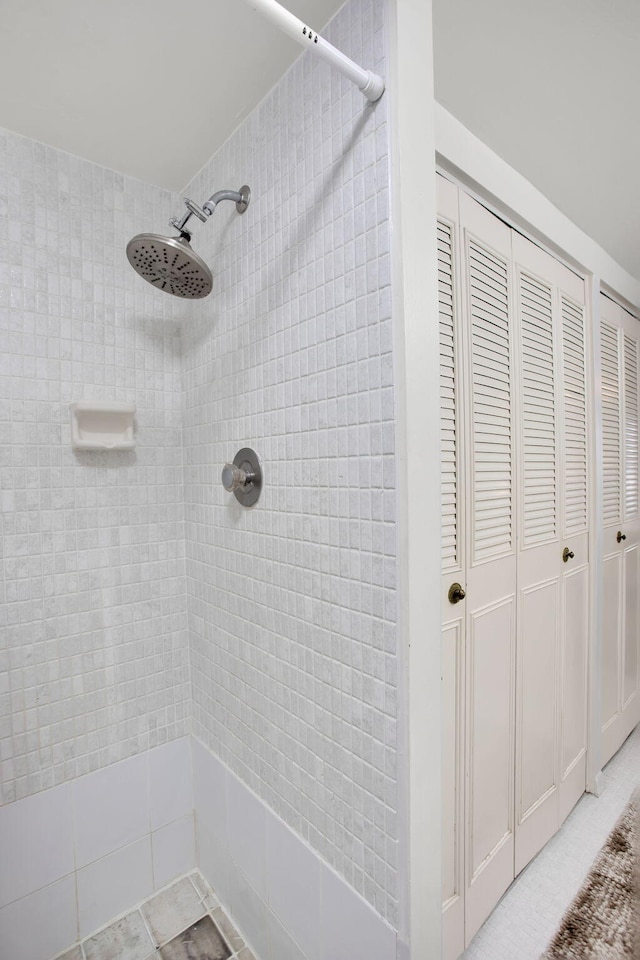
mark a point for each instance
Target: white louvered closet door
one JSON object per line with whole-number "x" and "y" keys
{"x": 491, "y": 563}
{"x": 552, "y": 633}
{"x": 539, "y": 554}
{"x": 619, "y": 348}
{"x": 574, "y": 530}
{"x": 453, "y": 626}
{"x": 515, "y": 458}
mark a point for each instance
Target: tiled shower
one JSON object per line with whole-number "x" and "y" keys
{"x": 187, "y": 683}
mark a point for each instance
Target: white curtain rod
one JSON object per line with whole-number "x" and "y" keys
{"x": 371, "y": 85}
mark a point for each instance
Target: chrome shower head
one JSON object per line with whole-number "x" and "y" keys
{"x": 169, "y": 263}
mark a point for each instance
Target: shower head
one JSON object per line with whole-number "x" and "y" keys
{"x": 169, "y": 263}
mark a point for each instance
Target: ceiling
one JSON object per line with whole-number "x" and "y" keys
{"x": 553, "y": 87}
{"x": 152, "y": 88}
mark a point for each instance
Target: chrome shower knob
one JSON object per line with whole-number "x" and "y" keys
{"x": 233, "y": 478}
{"x": 243, "y": 477}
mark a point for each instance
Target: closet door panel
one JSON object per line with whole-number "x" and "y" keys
{"x": 573, "y": 723}
{"x": 491, "y": 564}
{"x": 630, "y": 526}
{"x": 538, "y": 568}
{"x": 621, "y": 524}
{"x": 537, "y": 653}
{"x": 452, "y": 648}
{"x": 611, "y": 387}
{"x": 612, "y": 609}
{"x": 490, "y": 767}
{"x": 574, "y": 528}
{"x": 453, "y": 790}
{"x": 631, "y": 625}
{"x": 537, "y": 718}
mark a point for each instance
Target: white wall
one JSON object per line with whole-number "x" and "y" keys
{"x": 292, "y": 604}
{"x": 93, "y": 648}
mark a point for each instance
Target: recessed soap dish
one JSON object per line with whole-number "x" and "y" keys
{"x": 102, "y": 425}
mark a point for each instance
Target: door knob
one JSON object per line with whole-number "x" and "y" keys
{"x": 567, "y": 554}
{"x": 620, "y": 536}
{"x": 456, "y": 593}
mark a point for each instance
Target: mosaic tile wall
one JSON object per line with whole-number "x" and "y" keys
{"x": 93, "y": 649}
{"x": 292, "y": 604}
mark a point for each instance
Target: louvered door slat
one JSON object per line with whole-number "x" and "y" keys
{"x": 611, "y": 452}
{"x": 449, "y": 489}
{"x": 630, "y": 427}
{"x": 539, "y": 424}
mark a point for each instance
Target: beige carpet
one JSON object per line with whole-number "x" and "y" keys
{"x": 602, "y": 923}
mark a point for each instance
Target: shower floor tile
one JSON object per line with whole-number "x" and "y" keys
{"x": 202, "y": 941}
{"x": 173, "y": 910}
{"x": 182, "y": 922}
{"x": 126, "y": 939}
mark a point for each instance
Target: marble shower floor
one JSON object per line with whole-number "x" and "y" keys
{"x": 182, "y": 922}
{"x": 529, "y": 913}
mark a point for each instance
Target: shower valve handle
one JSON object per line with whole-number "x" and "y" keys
{"x": 243, "y": 477}
{"x": 235, "y": 478}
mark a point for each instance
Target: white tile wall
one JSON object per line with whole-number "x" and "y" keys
{"x": 110, "y": 886}
{"x": 210, "y": 791}
{"x": 351, "y": 932}
{"x": 174, "y": 852}
{"x": 93, "y": 645}
{"x": 41, "y": 925}
{"x": 170, "y": 782}
{"x": 305, "y": 911}
{"x": 36, "y": 843}
{"x": 292, "y": 608}
{"x": 280, "y": 943}
{"x": 297, "y": 904}
{"x": 247, "y": 833}
{"x": 249, "y": 911}
{"x": 111, "y": 808}
{"x": 94, "y": 836}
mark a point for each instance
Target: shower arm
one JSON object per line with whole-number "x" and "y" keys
{"x": 240, "y": 197}
{"x": 370, "y": 84}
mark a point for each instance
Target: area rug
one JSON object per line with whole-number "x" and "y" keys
{"x": 602, "y": 923}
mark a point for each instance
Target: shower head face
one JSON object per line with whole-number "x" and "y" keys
{"x": 169, "y": 264}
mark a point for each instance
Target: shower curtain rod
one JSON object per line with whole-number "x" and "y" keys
{"x": 371, "y": 85}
